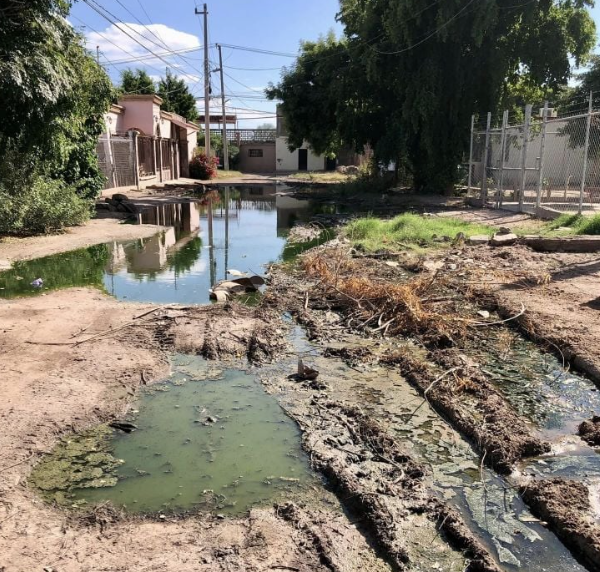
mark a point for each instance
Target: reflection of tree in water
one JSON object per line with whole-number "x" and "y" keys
{"x": 183, "y": 259}
{"x": 84, "y": 267}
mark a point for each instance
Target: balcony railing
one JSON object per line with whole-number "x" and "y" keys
{"x": 249, "y": 135}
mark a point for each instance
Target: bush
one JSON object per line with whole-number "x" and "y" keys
{"x": 41, "y": 206}
{"x": 203, "y": 167}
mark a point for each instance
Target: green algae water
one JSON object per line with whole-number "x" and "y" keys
{"x": 206, "y": 440}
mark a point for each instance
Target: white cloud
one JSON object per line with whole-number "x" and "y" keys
{"x": 117, "y": 45}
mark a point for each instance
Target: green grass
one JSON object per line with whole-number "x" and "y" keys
{"x": 329, "y": 177}
{"x": 229, "y": 174}
{"x": 579, "y": 224}
{"x": 408, "y": 231}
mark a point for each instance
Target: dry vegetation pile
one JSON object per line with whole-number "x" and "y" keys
{"x": 409, "y": 308}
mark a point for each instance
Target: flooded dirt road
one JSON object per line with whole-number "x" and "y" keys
{"x": 146, "y": 429}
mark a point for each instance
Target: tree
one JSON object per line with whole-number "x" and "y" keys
{"x": 54, "y": 98}
{"x": 266, "y": 126}
{"x": 136, "y": 82}
{"x": 405, "y": 79}
{"x": 176, "y": 97}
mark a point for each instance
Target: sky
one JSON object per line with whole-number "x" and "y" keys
{"x": 171, "y": 25}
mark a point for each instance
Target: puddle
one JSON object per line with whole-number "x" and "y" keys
{"x": 245, "y": 228}
{"x": 207, "y": 440}
{"x": 487, "y": 502}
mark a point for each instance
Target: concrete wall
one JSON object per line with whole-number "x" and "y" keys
{"x": 288, "y": 161}
{"x": 265, "y": 164}
{"x": 140, "y": 114}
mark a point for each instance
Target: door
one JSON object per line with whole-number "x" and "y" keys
{"x": 302, "y": 159}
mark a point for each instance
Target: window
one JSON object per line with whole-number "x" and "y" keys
{"x": 255, "y": 153}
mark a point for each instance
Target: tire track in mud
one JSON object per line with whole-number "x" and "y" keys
{"x": 500, "y": 435}
{"x": 376, "y": 480}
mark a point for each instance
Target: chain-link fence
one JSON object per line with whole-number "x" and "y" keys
{"x": 545, "y": 161}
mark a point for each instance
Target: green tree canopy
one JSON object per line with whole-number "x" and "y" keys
{"x": 54, "y": 97}
{"x": 176, "y": 97}
{"x": 405, "y": 78}
{"x": 136, "y": 82}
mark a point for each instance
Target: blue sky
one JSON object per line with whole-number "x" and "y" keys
{"x": 276, "y": 25}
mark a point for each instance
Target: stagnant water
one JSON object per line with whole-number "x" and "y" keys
{"x": 207, "y": 439}
{"x": 488, "y": 503}
{"x": 242, "y": 228}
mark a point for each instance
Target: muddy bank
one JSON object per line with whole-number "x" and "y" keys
{"x": 589, "y": 431}
{"x": 565, "y": 505}
{"x": 385, "y": 488}
{"x": 96, "y": 231}
{"x": 76, "y": 358}
{"x": 366, "y": 295}
{"x": 462, "y": 394}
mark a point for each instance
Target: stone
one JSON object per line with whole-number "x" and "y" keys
{"x": 479, "y": 239}
{"x": 484, "y": 314}
{"x": 433, "y": 265}
{"x": 503, "y": 239}
{"x": 504, "y": 230}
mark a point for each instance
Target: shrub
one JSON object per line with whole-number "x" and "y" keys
{"x": 40, "y": 206}
{"x": 203, "y": 167}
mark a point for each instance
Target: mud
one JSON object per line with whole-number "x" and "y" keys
{"x": 73, "y": 359}
{"x": 384, "y": 487}
{"x": 565, "y": 506}
{"x": 473, "y": 406}
{"x": 589, "y": 431}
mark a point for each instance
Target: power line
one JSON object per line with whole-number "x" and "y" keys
{"x": 99, "y": 10}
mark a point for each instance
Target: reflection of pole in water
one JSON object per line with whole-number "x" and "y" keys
{"x": 226, "y": 232}
{"x": 211, "y": 245}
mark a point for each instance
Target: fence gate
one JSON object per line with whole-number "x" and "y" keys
{"x": 544, "y": 160}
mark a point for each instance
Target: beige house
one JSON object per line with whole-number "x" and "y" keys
{"x": 302, "y": 159}
{"x": 143, "y": 145}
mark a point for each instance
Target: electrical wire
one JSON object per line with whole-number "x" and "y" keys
{"x": 100, "y": 11}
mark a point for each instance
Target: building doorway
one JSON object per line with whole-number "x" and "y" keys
{"x": 302, "y": 159}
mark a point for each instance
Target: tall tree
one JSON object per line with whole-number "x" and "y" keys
{"x": 54, "y": 98}
{"x": 177, "y": 97}
{"x": 137, "y": 82}
{"x": 406, "y": 78}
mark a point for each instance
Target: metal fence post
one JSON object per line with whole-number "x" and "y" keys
{"x": 526, "y": 128}
{"x": 469, "y": 179}
{"x": 134, "y": 158}
{"x": 500, "y": 193}
{"x": 586, "y": 152}
{"x": 538, "y": 199}
{"x": 484, "y": 186}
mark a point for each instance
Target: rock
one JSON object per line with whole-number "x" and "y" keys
{"x": 478, "y": 239}
{"x": 433, "y": 265}
{"x": 211, "y": 419}
{"x": 564, "y": 229}
{"x": 219, "y": 296}
{"x": 118, "y": 197}
{"x": 129, "y": 207}
{"x": 306, "y": 373}
{"x": 484, "y": 314}
{"x": 503, "y": 239}
{"x": 504, "y": 230}
{"x": 452, "y": 266}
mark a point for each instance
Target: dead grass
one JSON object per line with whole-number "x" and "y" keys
{"x": 383, "y": 306}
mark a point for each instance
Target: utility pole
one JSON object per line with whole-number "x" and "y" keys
{"x": 98, "y": 54}
{"x": 206, "y": 81}
{"x": 225, "y": 142}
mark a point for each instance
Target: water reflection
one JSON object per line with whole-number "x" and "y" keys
{"x": 242, "y": 228}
